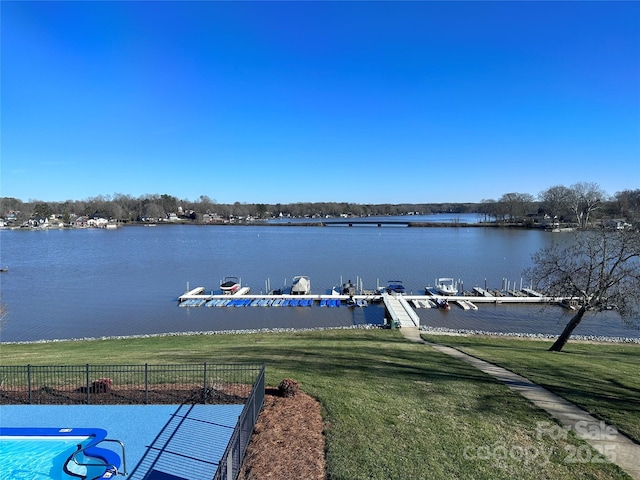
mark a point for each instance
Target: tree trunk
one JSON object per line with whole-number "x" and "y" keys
{"x": 568, "y": 330}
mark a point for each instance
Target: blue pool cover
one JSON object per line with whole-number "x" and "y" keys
{"x": 163, "y": 442}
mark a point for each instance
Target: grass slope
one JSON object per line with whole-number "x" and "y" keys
{"x": 393, "y": 409}
{"x": 601, "y": 378}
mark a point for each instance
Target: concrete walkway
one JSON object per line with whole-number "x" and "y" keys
{"x": 603, "y": 437}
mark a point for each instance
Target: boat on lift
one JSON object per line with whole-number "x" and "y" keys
{"x": 301, "y": 285}
{"x": 348, "y": 288}
{"x": 446, "y": 286}
{"x": 395, "y": 287}
{"x": 230, "y": 285}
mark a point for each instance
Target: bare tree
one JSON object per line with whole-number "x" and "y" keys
{"x": 206, "y": 204}
{"x": 516, "y": 204}
{"x": 487, "y": 208}
{"x": 628, "y": 204}
{"x": 555, "y": 200}
{"x": 10, "y": 204}
{"x": 585, "y": 197}
{"x": 153, "y": 211}
{"x": 601, "y": 269}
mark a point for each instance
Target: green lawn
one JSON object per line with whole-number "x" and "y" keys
{"x": 393, "y": 409}
{"x": 603, "y": 379}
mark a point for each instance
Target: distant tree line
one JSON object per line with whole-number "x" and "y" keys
{"x": 578, "y": 205}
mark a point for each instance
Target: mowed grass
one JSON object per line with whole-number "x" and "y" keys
{"x": 393, "y": 409}
{"x": 603, "y": 379}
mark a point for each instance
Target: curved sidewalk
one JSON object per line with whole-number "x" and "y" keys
{"x": 603, "y": 437}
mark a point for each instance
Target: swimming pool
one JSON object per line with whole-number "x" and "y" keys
{"x": 48, "y": 453}
{"x": 174, "y": 439}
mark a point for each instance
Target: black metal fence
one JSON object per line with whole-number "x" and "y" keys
{"x": 128, "y": 384}
{"x": 147, "y": 384}
{"x": 229, "y": 467}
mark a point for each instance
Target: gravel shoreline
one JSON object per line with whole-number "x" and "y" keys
{"x": 199, "y": 333}
{"x": 535, "y": 336}
{"x": 430, "y": 330}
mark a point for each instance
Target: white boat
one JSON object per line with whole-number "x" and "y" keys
{"x": 348, "y": 288}
{"x": 446, "y": 286}
{"x": 395, "y": 287}
{"x": 301, "y": 285}
{"x": 230, "y": 285}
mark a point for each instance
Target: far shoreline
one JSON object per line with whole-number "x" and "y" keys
{"x": 360, "y": 223}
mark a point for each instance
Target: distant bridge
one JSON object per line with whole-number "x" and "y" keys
{"x": 358, "y": 222}
{"x": 354, "y": 222}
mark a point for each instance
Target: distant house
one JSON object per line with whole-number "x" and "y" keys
{"x": 38, "y": 222}
{"x": 98, "y": 222}
{"x": 212, "y": 218}
{"x": 81, "y": 222}
{"x": 548, "y": 222}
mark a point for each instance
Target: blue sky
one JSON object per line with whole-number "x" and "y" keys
{"x": 282, "y": 102}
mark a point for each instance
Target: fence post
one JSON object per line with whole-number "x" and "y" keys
{"x": 87, "y": 379}
{"x": 146, "y": 384}
{"x": 29, "y": 381}
{"x": 237, "y": 450}
{"x": 204, "y": 385}
{"x": 230, "y": 465}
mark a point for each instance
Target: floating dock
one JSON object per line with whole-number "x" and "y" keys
{"x": 396, "y": 303}
{"x": 197, "y": 298}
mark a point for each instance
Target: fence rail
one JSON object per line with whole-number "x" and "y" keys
{"x": 127, "y": 384}
{"x": 229, "y": 467}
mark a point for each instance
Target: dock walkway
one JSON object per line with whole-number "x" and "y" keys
{"x": 400, "y": 311}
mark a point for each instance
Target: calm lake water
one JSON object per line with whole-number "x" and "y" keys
{"x": 76, "y": 283}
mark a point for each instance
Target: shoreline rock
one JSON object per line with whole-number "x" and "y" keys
{"x": 532, "y": 336}
{"x": 431, "y": 330}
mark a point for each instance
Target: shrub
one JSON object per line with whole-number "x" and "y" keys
{"x": 288, "y": 388}
{"x": 102, "y": 385}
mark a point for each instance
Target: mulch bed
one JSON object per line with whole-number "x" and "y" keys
{"x": 288, "y": 440}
